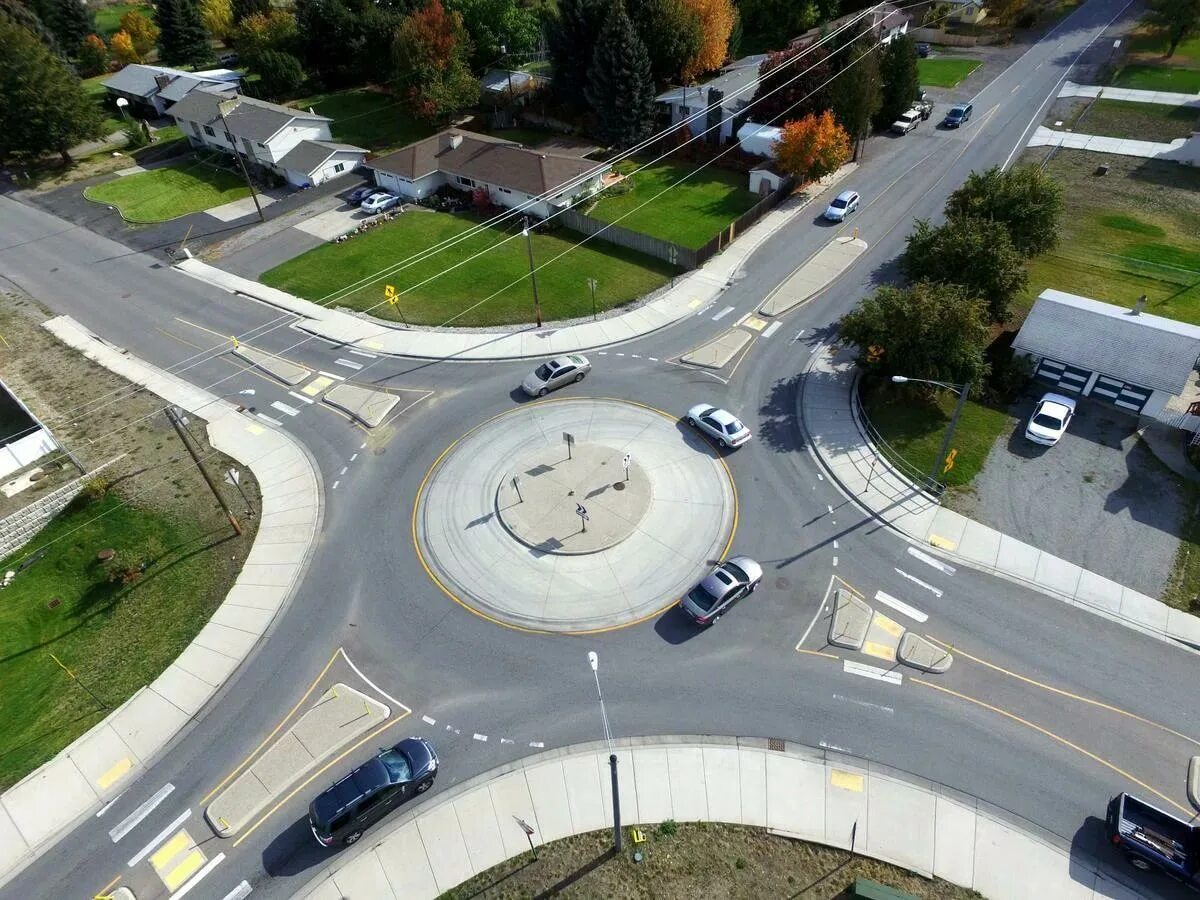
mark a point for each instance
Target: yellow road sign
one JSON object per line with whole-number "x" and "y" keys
{"x": 949, "y": 461}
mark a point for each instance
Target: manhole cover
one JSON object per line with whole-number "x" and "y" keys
{"x": 782, "y": 583}
{"x": 619, "y": 486}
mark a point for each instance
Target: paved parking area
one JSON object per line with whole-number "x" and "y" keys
{"x": 1099, "y": 498}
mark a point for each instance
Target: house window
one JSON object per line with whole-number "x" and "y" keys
{"x": 339, "y": 167}
{"x": 261, "y": 144}
{"x": 505, "y": 191}
{"x": 209, "y": 131}
{"x": 465, "y": 182}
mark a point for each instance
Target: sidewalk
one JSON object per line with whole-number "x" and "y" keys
{"x": 100, "y": 764}
{"x": 1048, "y": 137}
{"x": 690, "y": 292}
{"x": 815, "y": 795}
{"x": 829, "y": 412}
{"x": 1164, "y": 98}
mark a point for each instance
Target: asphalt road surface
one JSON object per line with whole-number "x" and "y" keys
{"x": 1047, "y": 712}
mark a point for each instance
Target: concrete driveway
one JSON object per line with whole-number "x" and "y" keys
{"x": 1099, "y": 498}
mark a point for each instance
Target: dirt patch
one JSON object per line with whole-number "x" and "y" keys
{"x": 694, "y": 860}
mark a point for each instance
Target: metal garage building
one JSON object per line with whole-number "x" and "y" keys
{"x": 1135, "y": 361}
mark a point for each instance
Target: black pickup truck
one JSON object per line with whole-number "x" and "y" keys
{"x": 1152, "y": 839}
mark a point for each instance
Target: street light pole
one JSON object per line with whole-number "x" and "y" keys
{"x": 594, "y": 662}
{"x": 537, "y": 304}
{"x": 231, "y": 105}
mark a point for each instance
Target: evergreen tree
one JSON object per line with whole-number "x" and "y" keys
{"x": 45, "y": 108}
{"x": 30, "y": 18}
{"x": 244, "y": 8}
{"x": 855, "y": 95}
{"x": 166, "y": 18}
{"x": 182, "y": 36}
{"x": 620, "y": 87}
{"x": 281, "y": 74}
{"x": 572, "y": 38}
{"x": 898, "y": 72}
{"x": 671, "y": 32}
{"x": 70, "y": 21}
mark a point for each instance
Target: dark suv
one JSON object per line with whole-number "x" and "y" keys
{"x": 345, "y": 810}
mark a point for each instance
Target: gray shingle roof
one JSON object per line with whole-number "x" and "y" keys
{"x": 307, "y": 156}
{"x": 138, "y": 79}
{"x": 742, "y": 73}
{"x": 1146, "y": 350}
{"x": 253, "y": 119}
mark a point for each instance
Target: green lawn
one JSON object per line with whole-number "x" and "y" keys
{"x": 1152, "y": 40}
{"x": 170, "y": 192}
{"x": 562, "y": 284}
{"x": 108, "y": 18}
{"x": 114, "y": 637}
{"x": 1141, "y": 121}
{"x": 914, "y": 429}
{"x": 1135, "y": 231}
{"x": 368, "y": 119}
{"x": 945, "y": 71}
{"x": 112, "y": 118}
{"x": 690, "y": 214}
{"x": 1150, "y": 77}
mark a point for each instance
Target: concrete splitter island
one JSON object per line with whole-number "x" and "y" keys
{"x": 527, "y": 530}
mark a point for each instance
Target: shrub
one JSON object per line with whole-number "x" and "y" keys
{"x": 96, "y": 488}
{"x": 668, "y": 828}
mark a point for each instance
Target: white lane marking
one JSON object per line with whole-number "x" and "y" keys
{"x": 428, "y": 721}
{"x": 722, "y": 314}
{"x": 835, "y": 747}
{"x": 480, "y": 737}
{"x": 620, "y": 354}
{"x": 160, "y": 837}
{"x": 817, "y": 614}
{"x": 900, "y": 606}
{"x": 828, "y": 507}
{"x": 378, "y": 689}
{"x": 879, "y": 706}
{"x": 797, "y": 337}
{"x": 452, "y": 728}
{"x": 344, "y": 469}
{"x": 835, "y": 545}
{"x": 335, "y": 484}
{"x": 109, "y": 805}
{"x": 363, "y": 353}
{"x": 702, "y": 311}
{"x": 195, "y": 879}
{"x": 633, "y": 356}
{"x": 835, "y": 562}
{"x": 354, "y": 457}
{"x": 241, "y": 892}
{"x": 820, "y": 477}
{"x": 932, "y": 560}
{"x": 132, "y": 820}
{"x": 301, "y": 398}
{"x": 267, "y": 418}
{"x": 604, "y": 353}
{"x": 772, "y": 328}
{"x": 856, "y": 668}
{"x": 652, "y": 358}
{"x": 937, "y": 592}
{"x": 363, "y": 447}
{"x": 348, "y": 363}
{"x": 331, "y": 375}
{"x": 538, "y": 744}
{"x": 285, "y": 409}
{"x": 506, "y": 741}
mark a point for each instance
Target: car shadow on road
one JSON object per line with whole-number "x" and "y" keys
{"x": 294, "y": 851}
{"x": 698, "y": 442}
{"x": 676, "y": 627}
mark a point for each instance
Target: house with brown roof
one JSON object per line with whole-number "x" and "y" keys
{"x": 887, "y": 22}
{"x": 510, "y": 174}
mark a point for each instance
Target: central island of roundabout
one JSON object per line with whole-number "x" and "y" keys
{"x": 574, "y": 515}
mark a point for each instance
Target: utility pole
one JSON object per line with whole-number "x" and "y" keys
{"x": 941, "y": 457}
{"x": 229, "y": 106}
{"x": 173, "y": 418}
{"x": 537, "y": 304}
{"x": 592, "y": 285}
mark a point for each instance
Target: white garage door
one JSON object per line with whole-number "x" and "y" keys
{"x": 1120, "y": 393}
{"x": 1068, "y": 378}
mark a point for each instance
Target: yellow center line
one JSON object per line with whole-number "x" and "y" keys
{"x": 1188, "y": 813}
{"x": 1063, "y": 693}
{"x": 817, "y": 653}
{"x": 176, "y": 337}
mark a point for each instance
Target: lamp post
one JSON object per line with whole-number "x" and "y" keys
{"x": 963, "y": 390}
{"x": 594, "y": 662}
{"x": 537, "y": 304}
{"x": 229, "y": 106}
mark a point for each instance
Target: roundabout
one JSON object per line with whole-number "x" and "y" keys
{"x": 574, "y": 516}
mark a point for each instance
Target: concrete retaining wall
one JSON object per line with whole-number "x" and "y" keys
{"x": 19, "y": 528}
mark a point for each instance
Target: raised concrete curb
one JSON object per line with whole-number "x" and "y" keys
{"x": 814, "y": 275}
{"x": 339, "y": 716}
{"x": 689, "y": 292}
{"x": 816, "y": 795}
{"x": 99, "y": 764}
{"x": 829, "y": 415}
{"x": 288, "y": 372}
{"x": 850, "y": 622}
{"x": 368, "y": 406}
{"x": 717, "y": 353}
{"x": 923, "y": 654}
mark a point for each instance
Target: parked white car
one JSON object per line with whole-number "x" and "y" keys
{"x": 719, "y": 424}
{"x": 378, "y": 202}
{"x": 843, "y": 204}
{"x": 1050, "y": 419}
{"x": 907, "y": 122}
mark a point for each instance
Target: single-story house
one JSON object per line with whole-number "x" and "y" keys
{"x": 510, "y": 174}
{"x": 498, "y": 82}
{"x": 293, "y": 143}
{"x": 151, "y": 90}
{"x": 888, "y": 22}
{"x": 1125, "y": 357}
{"x": 728, "y": 94}
{"x": 968, "y": 12}
{"x": 759, "y": 139}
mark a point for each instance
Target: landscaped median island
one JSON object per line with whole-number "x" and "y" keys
{"x": 454, "y": 292}
{"x": 167, "y": 193}
{"x": 691, "y": 860}
{"x": 118, "y": 584}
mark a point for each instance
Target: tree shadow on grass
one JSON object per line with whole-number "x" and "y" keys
{"x": 586, "y": 869}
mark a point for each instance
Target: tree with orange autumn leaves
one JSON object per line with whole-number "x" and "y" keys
{"x": 812, "y": 147}
{"x": 716, "y": 24}
{"x": 430, "y": 51}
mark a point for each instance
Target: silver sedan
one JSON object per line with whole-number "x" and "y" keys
{"x": 554, "y": 374}
{"x": 719, "y": 424}
{"x": 728, "y": 583}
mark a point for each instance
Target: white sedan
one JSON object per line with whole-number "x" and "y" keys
{"x": 719, "y": 424}
{"x": 1050, "y": 418}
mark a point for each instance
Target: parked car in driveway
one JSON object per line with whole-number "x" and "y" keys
{"x": 959, "y": 114}
{"x": 554, "y": 374}
{"x": 1050, "y": 419}
{"x": 719, "y": 424}
{"x": 907, "y": 122}
{"x": 923, "y": 50}
{"x": 359, "y": 194}
{"x": 843, "y": 204}
{"x": 378, "y": 202}
{"x": 721, "y": 588}
{"x": 343, "y": 811}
